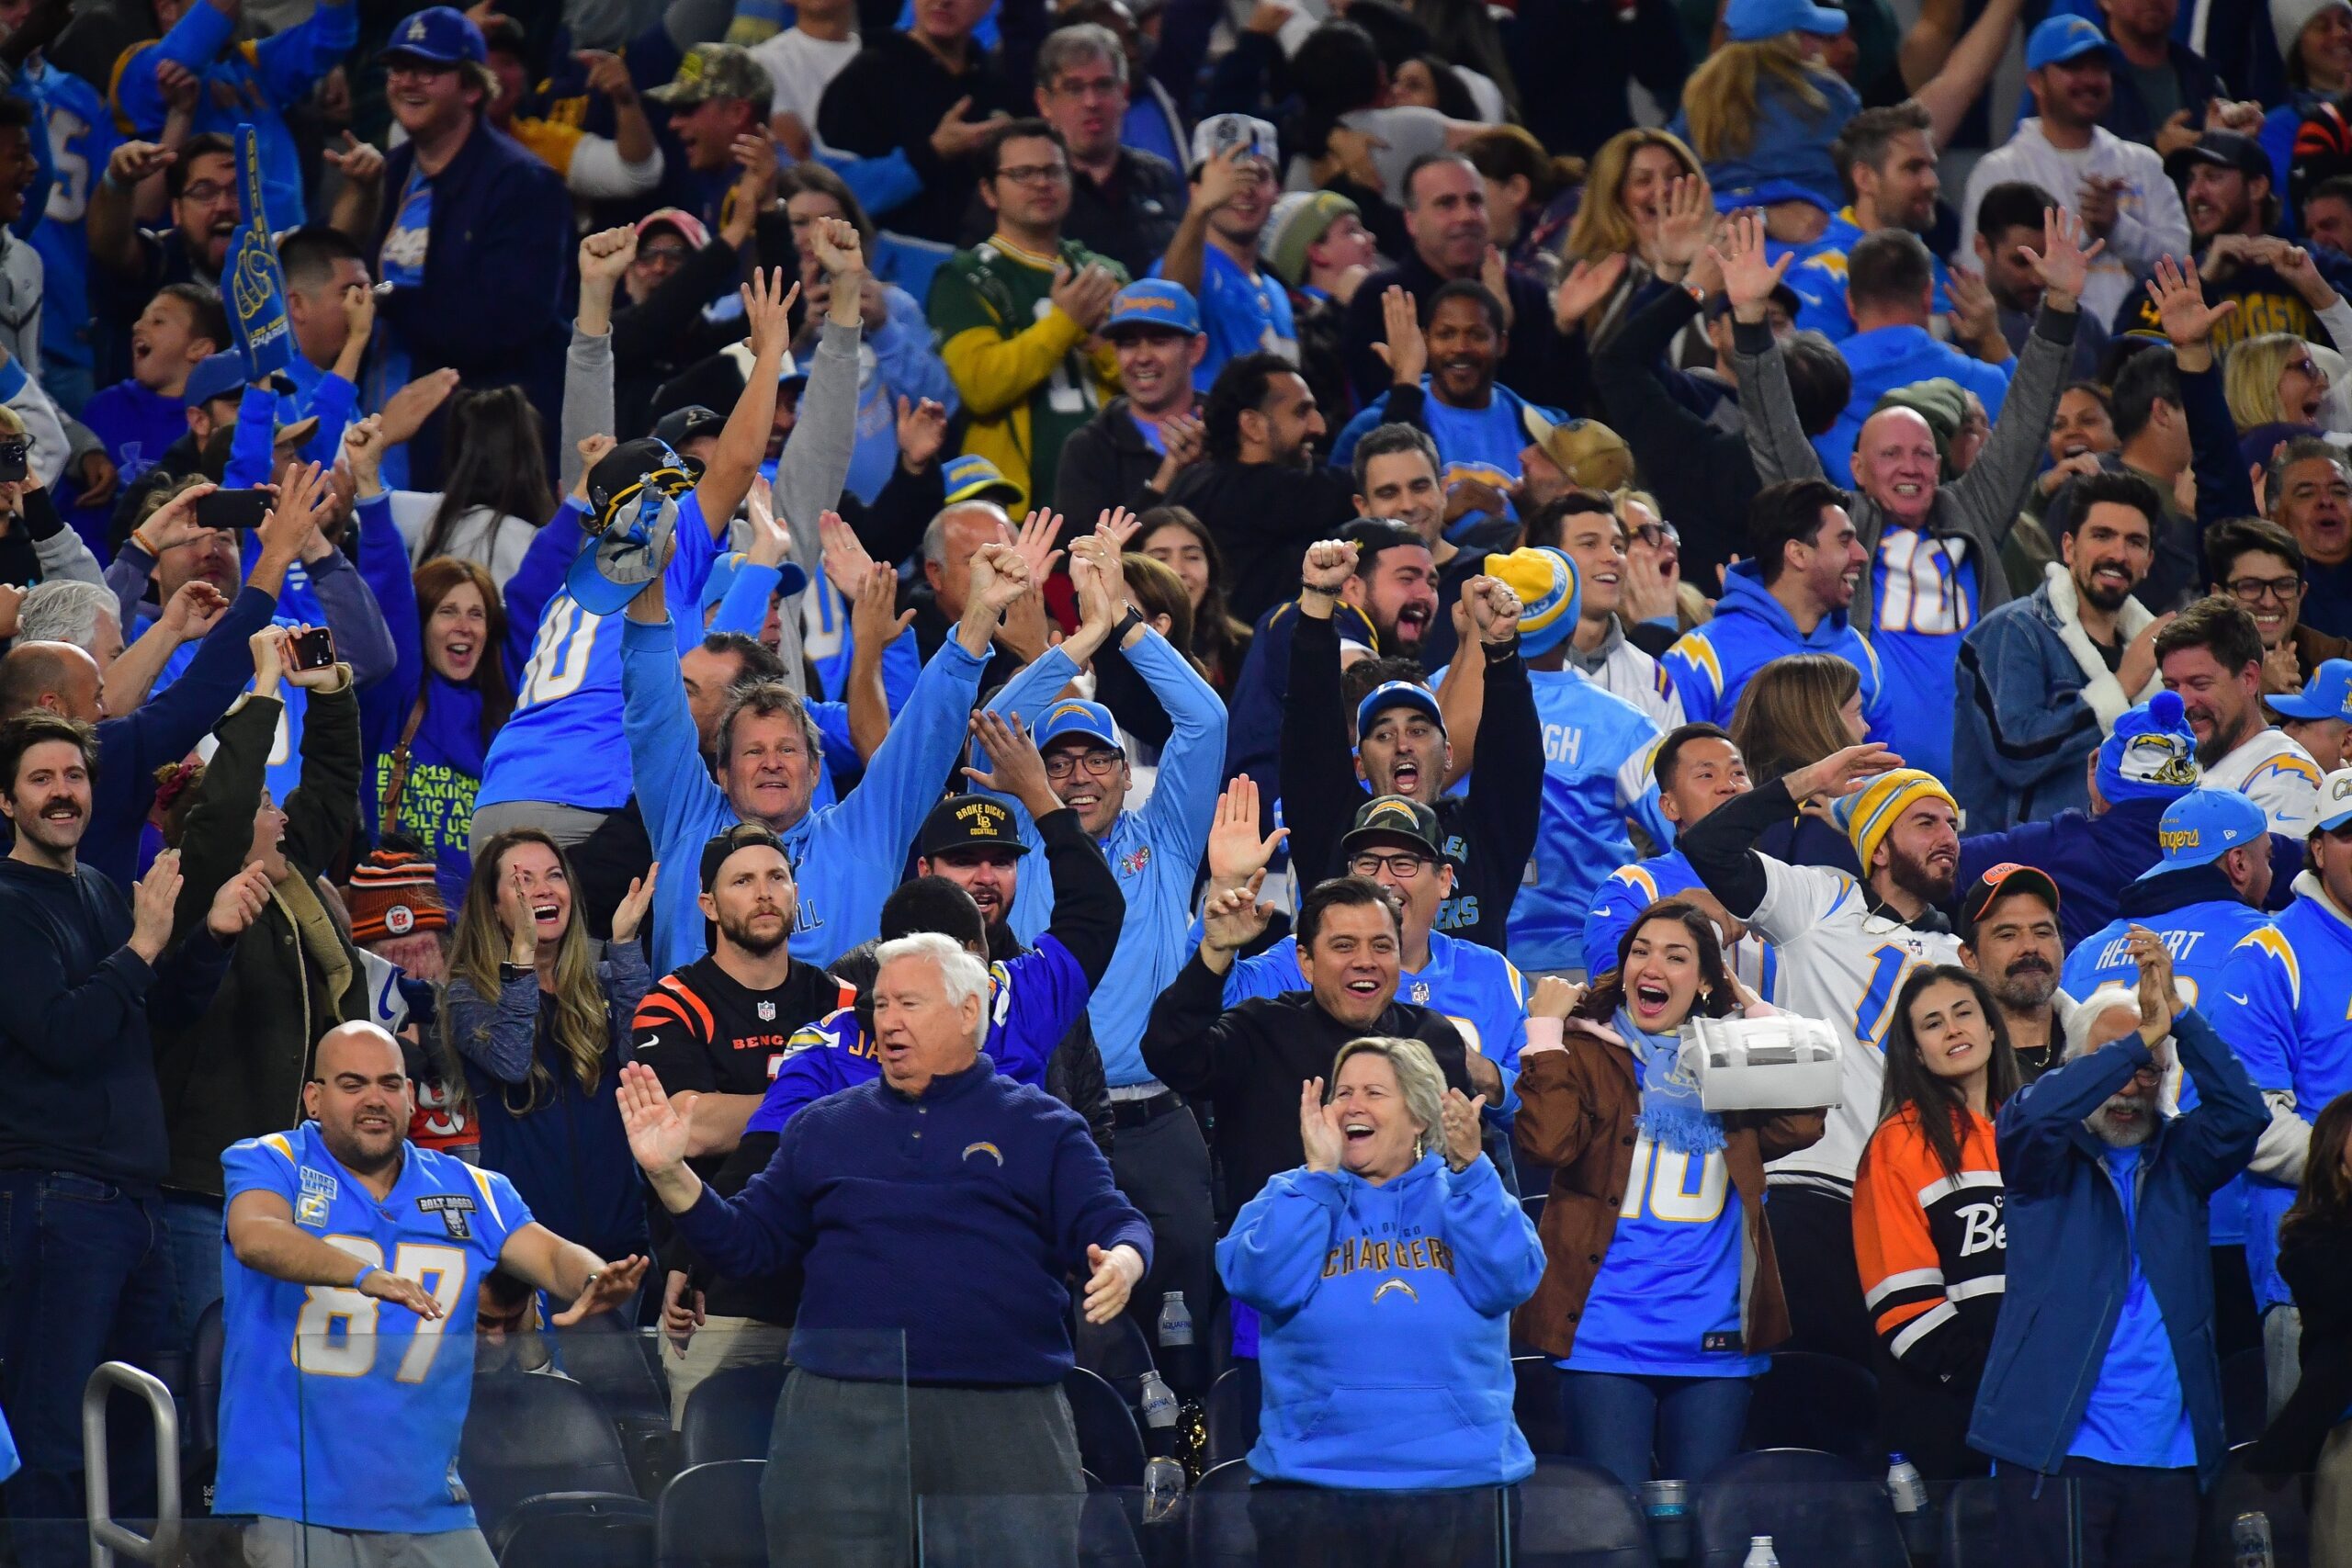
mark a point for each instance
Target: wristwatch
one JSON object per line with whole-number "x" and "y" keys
{"x": 1128, "y": 623}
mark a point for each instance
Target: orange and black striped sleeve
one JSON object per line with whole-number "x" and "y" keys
{"x": 671, "y": 1033}
{"x": 1931, "y": 1247}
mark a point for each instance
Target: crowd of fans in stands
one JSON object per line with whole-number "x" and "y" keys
{"x": 1250, "y": 616}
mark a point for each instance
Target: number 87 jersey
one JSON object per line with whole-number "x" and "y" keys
{"x": 1844, "y": 964}
{"x": 337, "y": 1408}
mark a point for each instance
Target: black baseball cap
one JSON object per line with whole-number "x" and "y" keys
{"x": 743, "y": 836}
{"x": 969, "y": 822}
{"x": 1997, "y": 883}
{"x": 1392, "y": 819}
{"x": 679, "y": 427}
{"x": 2222, "y": 150}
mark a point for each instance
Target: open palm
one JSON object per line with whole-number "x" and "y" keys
{"x": 657, "y": 1132}
{"x": 2179, "y": 297}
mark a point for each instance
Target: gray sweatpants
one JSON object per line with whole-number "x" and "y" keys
{"x": 989, "y": 1476}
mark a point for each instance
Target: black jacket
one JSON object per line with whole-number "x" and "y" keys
{"x": 1542, "y": 365}
{"x": 1106, "y": 462}
{"x": 1489, "y": 832}
{"x": 2316, "y": 1262}
{"x": 1250, "y": 1060}
{"x": 1700, "y": 472}
{"x": 891, "y": 96}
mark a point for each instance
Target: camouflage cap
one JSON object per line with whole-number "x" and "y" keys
{"x": 717, "y": 71}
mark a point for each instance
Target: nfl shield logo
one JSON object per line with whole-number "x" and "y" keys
{"x": 767, "y": 1012}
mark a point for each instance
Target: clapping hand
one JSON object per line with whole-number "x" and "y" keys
{"x": 522, "y": 921}
{"x": 845, "y": 559}
{"x": 629, "y": 914}
{"x": 1034, "y": 541}
{"x": 2159, "y": 999}
{"x": 1459, "y": 1120}
{"x": 1318, "y": 1129}
{"x": 238, "y": 903}
{"x": 1016, "y": 767}
{"x": 923, "y": 430}
{"x": 1115, "y": 527}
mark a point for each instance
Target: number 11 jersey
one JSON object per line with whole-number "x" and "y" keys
{"x": 336, "y": 1408}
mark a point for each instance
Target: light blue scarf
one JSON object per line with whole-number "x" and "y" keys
{"x": 1671, "y": 1114}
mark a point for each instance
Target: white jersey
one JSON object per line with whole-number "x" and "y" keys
{"x": 1842, "y": 964}
{"x": 2276, "y": 775}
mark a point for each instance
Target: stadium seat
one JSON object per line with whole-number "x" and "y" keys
{"x": 1105, "y": 1538}
{"x": 1234, "y": 1401}
{"x": 1117, "y": 1352}
{"x": 1818, "y": 1507}
{"x": 1217, "y": 1337}
{"x": 203, "y": 1396}
{"x": 710, "y": 1517}
{"x": 1575, "y": 1515}
{"x": 530, "y": 1433}
{"x": 576, "y": 1530}
{"x": 1216, "y": 1526}
{"x": 1537, "y": 1404}
{"x": 2245, "y": 1393}
{"x": 1810, "y": 1401}
{"x": 2284, "y": 1500}
{"x": 730, "y": 1414}
{"x": 1971, "y": 1537}
{"x": 1109, "y": 1442}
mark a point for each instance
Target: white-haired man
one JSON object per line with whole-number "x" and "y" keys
{"x": 937, "y": 1211}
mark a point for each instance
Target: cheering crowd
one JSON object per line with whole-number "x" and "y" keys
{"x": 810, "y": 672}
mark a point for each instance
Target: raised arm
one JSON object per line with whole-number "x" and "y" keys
{"x": 1777, "y": 443}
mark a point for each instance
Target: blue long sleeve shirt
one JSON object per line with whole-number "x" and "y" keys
{"x": 1384, "y": 1331}
{"x": 946, "y": 1222}
{"x": 845, "y": 857}
{"x": 1154, "y": 852}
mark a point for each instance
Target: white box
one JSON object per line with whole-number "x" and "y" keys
{"x": 1777, "y": 1063}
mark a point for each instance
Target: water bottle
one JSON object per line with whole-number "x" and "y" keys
{"x": 1759, "y": 1553}
{"x": 1902, "y": 1484}
{"x": 1163, "y": 1489}
{"x": 1158, "y": 1401}
{"x": 2250, "y": 1540}
{"x": 1175, "y": 1320}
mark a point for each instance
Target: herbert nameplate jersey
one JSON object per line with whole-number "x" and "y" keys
{"x": 337, "y": 1408}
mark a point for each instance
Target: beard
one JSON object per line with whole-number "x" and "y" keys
{"x": 2027, "y": 986}
{"x": 2106, "y": 599}
{"x": 740, "y": 934}
{"x": 1916, "y": 878}
{"x": 2123, "y": 1121}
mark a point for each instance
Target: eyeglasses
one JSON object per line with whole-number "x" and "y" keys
{"x": 1402, "y": 863}
{"x": 2307, "y": 366}
{"x": 1100, "y": 764}
{"x": 1657, "y": 534}
{"x": 2254, "y": 590}
{"x": 206, "y": 192}
{"x": 671, "y": 255}
{"x": 1090, "y": 88}
{"x": 1035, "y": 174}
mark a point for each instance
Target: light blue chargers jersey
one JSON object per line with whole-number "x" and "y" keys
{"x": 2284, "y": 1003}
{"x": 336, "y": 1408}
{"x": 2200, "y": 937}
{"x": 1625, "y": 893}
{"x": 1596, "y": 749}
{"x": 565, "y": 742}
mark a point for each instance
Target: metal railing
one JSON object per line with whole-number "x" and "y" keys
{"x": 107, "y": 1537}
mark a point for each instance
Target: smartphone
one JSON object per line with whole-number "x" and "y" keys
{"x": 233, "y": 508}
{"x": 313, "y": 649}
{"x": 13, "y": 451}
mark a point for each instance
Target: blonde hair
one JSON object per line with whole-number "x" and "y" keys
{"x": 1787, "y": 717}
{"x": 1720, "y": 100}
{"x": 479, "y": 945}
{"x": 1417, "y": 1075}
{"x": 2250, "y": 378}
{"x": 11, "y": 422}
{"x": 1602, "y": 226}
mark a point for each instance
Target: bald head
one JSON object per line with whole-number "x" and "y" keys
{"x": 953, "y": 538}
{"x": 358, "y": 1094}
{"x": 1897, "y": 465}
{"x": 53, "y": 675}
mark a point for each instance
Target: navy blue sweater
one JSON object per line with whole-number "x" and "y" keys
{"x": 74, "y": 1047}
{"x": 952, "y": 1219}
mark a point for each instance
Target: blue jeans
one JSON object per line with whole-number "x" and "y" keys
{"x": 82, "y": 1280}
{"x": 192, "y": 1226}
{"x": 1617, "y": 1421}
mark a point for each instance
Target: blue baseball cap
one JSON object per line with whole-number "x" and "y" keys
{"x": 1154, "y": 302}
{"x": 2327, "y": 695}
{"x": 723, "y": 570}
{"x": 1746, "y": 21}
{"x": 2204, "y": 825}
{"x": 1398, "y": 694}
{"x": 1076, "y": 716}
{"x": 974, "y": 477}
{"x": 2061, "y": 39}
{"x": 1768, "y": 192}
{"x": 442, "y": 34}
{"x": 220, "y": 374}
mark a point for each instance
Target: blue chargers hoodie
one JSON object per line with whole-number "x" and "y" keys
{"x": 1384, "y": 1339}
{"x": 1711, "y": 664}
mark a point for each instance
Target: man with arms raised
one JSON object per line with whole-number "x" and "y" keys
{"x": 342, "y": 1391}
{"x": 1844, "y": 949}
